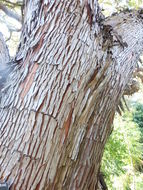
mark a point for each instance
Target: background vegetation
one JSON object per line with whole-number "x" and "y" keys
{"x": 122, "y": 163}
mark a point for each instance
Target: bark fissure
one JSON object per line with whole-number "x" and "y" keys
{"x": 60, "y": 102}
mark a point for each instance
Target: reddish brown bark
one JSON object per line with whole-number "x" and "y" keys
{"x": 58, "y": 110}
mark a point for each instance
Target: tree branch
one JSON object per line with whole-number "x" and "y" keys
{"x": 10, "y": 13}
{"x": 12, "y": 4}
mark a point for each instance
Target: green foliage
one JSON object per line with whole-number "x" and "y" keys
{"x": 138, "y": 115}
{"x": 135, "y": 3}
{"x": 122, "y": 156}
{"x": 112, "y": 162}
{"x": 138, "y": 118}
{"x": 111, "y": 6}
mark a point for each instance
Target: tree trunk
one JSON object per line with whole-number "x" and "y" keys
{"x": 59, "y": 102}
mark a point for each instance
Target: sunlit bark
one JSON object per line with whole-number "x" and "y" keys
{"x": 60, "y": 101}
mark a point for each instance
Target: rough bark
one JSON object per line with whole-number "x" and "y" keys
{"x": 60, "y": 101}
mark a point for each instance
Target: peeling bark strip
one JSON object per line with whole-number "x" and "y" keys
{"x": 57, "y": 113}
{"x": 27, "y": 83}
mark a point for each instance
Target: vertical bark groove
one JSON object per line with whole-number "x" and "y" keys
{"x": 60, "y": 104}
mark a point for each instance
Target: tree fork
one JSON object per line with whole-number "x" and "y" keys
{"x": 61, "y": 98}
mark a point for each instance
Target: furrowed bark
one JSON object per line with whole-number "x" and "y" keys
{"x": 60, "y": 102}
